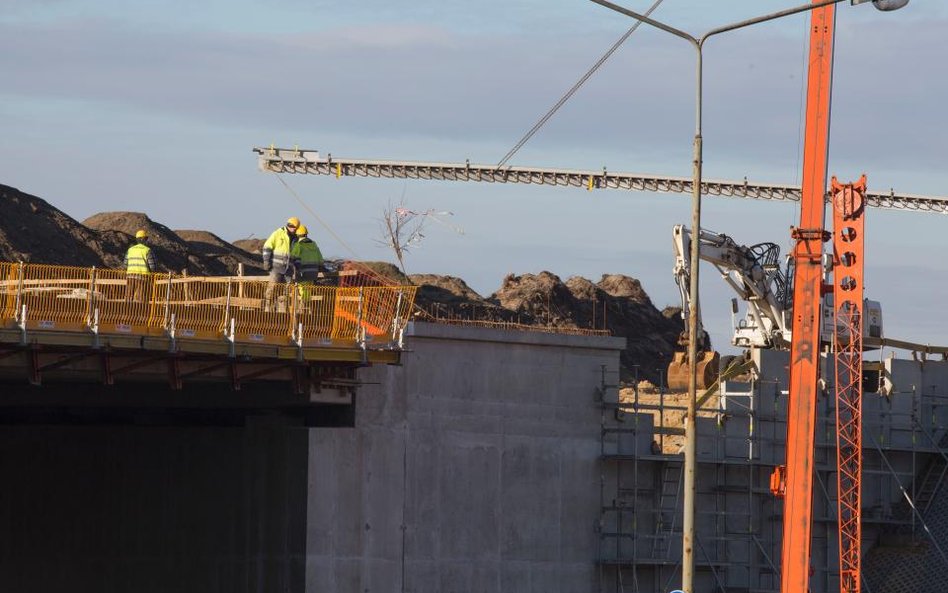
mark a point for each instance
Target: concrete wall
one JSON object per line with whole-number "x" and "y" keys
{"x": 474, "y": 467}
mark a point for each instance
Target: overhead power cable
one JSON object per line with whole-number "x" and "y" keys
{"x": 536, "y": 127}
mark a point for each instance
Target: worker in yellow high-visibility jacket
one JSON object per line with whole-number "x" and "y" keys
{"x": 139, "y": 265}
{"x": 276, "y": 257}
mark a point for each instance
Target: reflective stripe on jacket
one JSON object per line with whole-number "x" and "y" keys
{"x": 276, "y": 249}
{"x": 307, "y": 258}
{"x": 139, "y": 259}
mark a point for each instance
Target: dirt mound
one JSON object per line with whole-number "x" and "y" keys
{"x": 211, "y": 255}
{"x": 448, "y": 297}
{"x": 252, "y": 246}
{"x": 32, "y": 230}
{"x": 616, "y": 303}
{"x": 207, "y": 244}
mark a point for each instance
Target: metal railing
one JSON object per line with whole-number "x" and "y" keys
{"x": 39, "y": 297}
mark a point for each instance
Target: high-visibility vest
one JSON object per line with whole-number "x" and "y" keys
{"x": 305, "y": 291}
{"x": 276, "y": 249}
{"x": 307, "y": 258}
{"x": 138, "y": 259}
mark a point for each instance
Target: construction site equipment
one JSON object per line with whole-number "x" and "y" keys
{"x": 761, "y": 280}
{"x": 849, "y": 316}
{"x": 679, "y": 371}
{"x": 298, "y": 161}
{"x": 795, "y": 479}
{"x": 754, "y": 274}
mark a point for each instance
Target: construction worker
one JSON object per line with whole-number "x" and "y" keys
{"x": 305, "y": 256}
{"x": 276, "y": 257}
{"x": 307, "y": 261}
{"x": 139, "y": 265}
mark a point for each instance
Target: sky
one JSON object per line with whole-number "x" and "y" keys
{"x": 154, "y": 107}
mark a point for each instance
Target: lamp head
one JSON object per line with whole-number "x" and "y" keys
{"x": 884, "y": 5}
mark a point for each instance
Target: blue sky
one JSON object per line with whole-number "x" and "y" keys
{"x": 155, "y": 106}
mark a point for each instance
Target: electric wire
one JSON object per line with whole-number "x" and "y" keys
{"x": 566, "y": 97}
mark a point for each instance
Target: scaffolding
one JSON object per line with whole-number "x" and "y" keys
{"x": 741, "y": 438}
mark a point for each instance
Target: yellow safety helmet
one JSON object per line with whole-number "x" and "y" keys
{"x": 302, "y": 231}
{"x": 293, "y": 222}
{"x": 141, "y": 234}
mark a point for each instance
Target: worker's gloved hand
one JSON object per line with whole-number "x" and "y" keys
{"x": 267, "y": 266}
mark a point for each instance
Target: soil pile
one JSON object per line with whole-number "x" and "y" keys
{"x": 32, "y": 230}
{"x": 616, "y": 303}
{"x": 201, "y": 253}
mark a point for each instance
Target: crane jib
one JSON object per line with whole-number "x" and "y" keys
{"x": 308, "y": 162}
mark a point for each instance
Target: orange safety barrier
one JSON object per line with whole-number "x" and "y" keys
{"x": 194, "y": 307}
{"x": 245, "y": 310}
{"x": 125, "y": 303}
{"x": 260, "y": 311}
{"x": 56, "y": 297}
{"x": 315, "y": 306}
{"x": 371, "y": 311}
{"x": 9, "y": 288}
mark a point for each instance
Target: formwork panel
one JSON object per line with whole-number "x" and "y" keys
{"x": 9, "y": 288}
{"x": 56, "y": 297}
{"x": 260, "y": 311}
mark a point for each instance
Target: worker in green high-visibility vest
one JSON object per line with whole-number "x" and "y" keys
{"x": 307, "y": 261}
{"x": 139, "y": 265}
{"x": 305, "y": 256}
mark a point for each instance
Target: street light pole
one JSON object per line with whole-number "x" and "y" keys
{"x": 690, "y": 460}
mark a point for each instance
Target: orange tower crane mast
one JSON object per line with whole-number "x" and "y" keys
{"x": 848, "y": 266}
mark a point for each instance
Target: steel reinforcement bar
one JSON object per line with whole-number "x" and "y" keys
{"x": 288, "y": 160}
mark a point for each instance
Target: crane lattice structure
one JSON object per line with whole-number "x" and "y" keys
{"x": 293, "y": 160}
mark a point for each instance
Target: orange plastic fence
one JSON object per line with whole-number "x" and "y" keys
{"x": 370, "y": 311}
{"x": 242, "y": 309}
{"x": 123, "y": 303}
{"x": 193, "y": 307}
{"x": 315, "y": 309}
{"x": 261, "y": 311}
{"x": 56, "y": 297}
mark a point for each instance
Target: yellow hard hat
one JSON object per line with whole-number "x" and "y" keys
{"x": 293, "y": 221}
{"x": 302, "y": 231}
{"x": 141, "y": 234}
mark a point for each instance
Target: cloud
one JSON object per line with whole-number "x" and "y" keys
{"x": 421, "y": 81}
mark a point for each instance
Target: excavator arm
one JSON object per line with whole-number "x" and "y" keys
{"x": 753, "y": 273}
